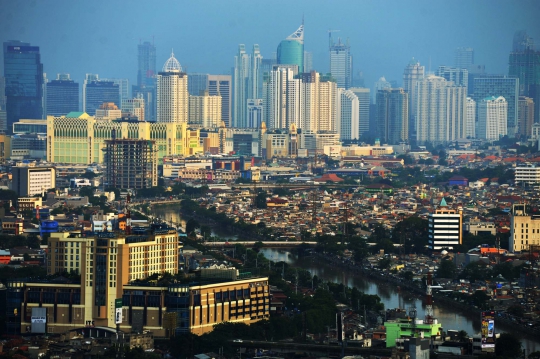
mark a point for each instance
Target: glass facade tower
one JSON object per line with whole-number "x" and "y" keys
{"x": 291, "y": 50}
{"x": 23, "y": 72}
{"x": 62, "y": 96}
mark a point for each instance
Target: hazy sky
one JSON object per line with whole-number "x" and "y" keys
{"x": 101, "y": 36}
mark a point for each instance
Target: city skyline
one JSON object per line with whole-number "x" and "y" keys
{"x": 376, "y": 53}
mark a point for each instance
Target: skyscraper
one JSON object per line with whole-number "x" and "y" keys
{"x": 134, "y": 107}
{"x": 291, "y": 50}
{"x": 522, "y": 42}
{"x": 348, "y": 115}
{"x": 441, "y": 110}
{"x": 525, "y": 65}
{"x": 247, "y": 83}
{"x": 492, "y": 117}
{"x": 23, "y": 72}
{"x": 525, "y": 116}
{"x": 147, "y": 64}
{"x": 255, "y": 113}
{"x": 220, "y": 85}
{"x": 197, "y": 83}
{"x": 413, "y": 73}
{"x": 498, "y": 85}
{"x": 146, "y": 79}
{"x": 240, "y": 84}
{"x": 393, "y": 115}
{"x": 381, "y": 84}
{"x": 205, "y": 110}
{"x": 62, "y": 96}
{"x": 341, "y": 65}
{"x": 172, "y": 93}
{"x": 470, "y": 119}
{"x": 463, "y": 57}
{"x": 364, "y": 99}
{"x": 98, "y": 92}
{"x": 308, "y": 61}
{"x": 123, "y": 87}
{"x": 282, "y": 101}
{"x": 458, "y": 75}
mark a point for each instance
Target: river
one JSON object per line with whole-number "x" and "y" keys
{"x": 172, "y": 213}
{"x": 389, "y": 294}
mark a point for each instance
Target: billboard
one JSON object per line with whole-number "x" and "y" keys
{"x": 118, "y": 311}
{"x": 488, "y": 329}
{"x": 39, "y": 320}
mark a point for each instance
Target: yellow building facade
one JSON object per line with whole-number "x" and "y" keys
{"x": 80, "y": 139}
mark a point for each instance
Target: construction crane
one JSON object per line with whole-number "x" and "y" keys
{"x": 330, "y": 31}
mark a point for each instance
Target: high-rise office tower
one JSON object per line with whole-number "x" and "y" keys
{"x": 525, "y": 65}
{"x": 470, "y": 119}
{"x": 240, "y": 87}
{"x": 221, "y": 85}
{"x": 492, "y": 117}
{"x": 364, "y": 99}
{"x": 413, "y": 73}
{"x": 393, "y": 115}
{"x": 99, "y": 92}
{"x": 3, "y": 115}
{"x": 44, "y": 97}
{"x": 146, "y": 79}
{"x": 525, "y": 116}
{"x": 319, "y": 113}
{"x": 463, "y": 57}
{"x": 498, "y": 85}
{"x": 255, "y": 112}
{"x": 291, "y": 50}
{"x": 381, "y": 84}
{"x": 341, "y": 65}
{"x": 282, "y": 102}
{"x": 308, "y": 61}
{"x": 205, "y": 110}
{"x": 123, "y": 87}
{"x": 172, "y": 93}
{"x": 522, "y": 42}
{"x": 108, "y": 110}
{"x": 255, "y": 83}
{"x": 460, "y": 76}
{"x": 247, "y": 83}
{"x": 347, "y": 115}
{"x": 147, "y": 64}
{"x": 23, "y": 72}
{"x": 88, "y": 78}
{"x": 197, "y": 83}
{"x": 134, "y": 107}
{"x": 445, "y": 227}
{"x": 441, "y": 110}
{"x": 62, "y": 96}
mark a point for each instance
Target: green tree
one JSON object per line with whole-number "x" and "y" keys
{"x": 447, "y": 269}
{"x": 191, "y": 225}
{"x": 260, "y": 200}
{"x": 508, "y": 346}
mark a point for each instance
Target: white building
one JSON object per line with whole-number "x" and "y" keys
{"x": 445, "y": 227}
{"x": 364, "y": 101}
{"x": 255, "y": 112}
{"x": 172, "y": 93}
{"x": 528, "y": 174}
{"x": 440, "y": 110}
{"x": 341, "y": 65}
{"x": 247, "y": 83}
{"x": 348, "y": 115}
{"x": 134, "y": 107}
{"x": 470, "y": 119}
{"x": 412, "y": 73}
{"x": 205, "y": 110}
{"x": 29, "y": 180}
{"x": 492, "y": 118}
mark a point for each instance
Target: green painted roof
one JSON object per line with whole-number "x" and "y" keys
{"x": 75, "y": 114}
{"x": 443, "y": 203}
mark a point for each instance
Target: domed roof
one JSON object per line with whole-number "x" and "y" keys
{"x": 172, "y": 64}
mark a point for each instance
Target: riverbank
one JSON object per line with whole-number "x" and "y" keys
{"x": 438, "y": 299}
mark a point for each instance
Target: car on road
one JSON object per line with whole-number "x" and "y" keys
{"x": 237, "y": 341}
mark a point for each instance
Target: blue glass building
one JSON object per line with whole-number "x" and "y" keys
{"x": 98, "y": 92}
{"x": 291, "y": 50}
{"x": 23, "y": 72}
{"x": 62, "y": 96}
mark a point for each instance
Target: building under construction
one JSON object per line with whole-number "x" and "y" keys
{"x": 131, "y": 164}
